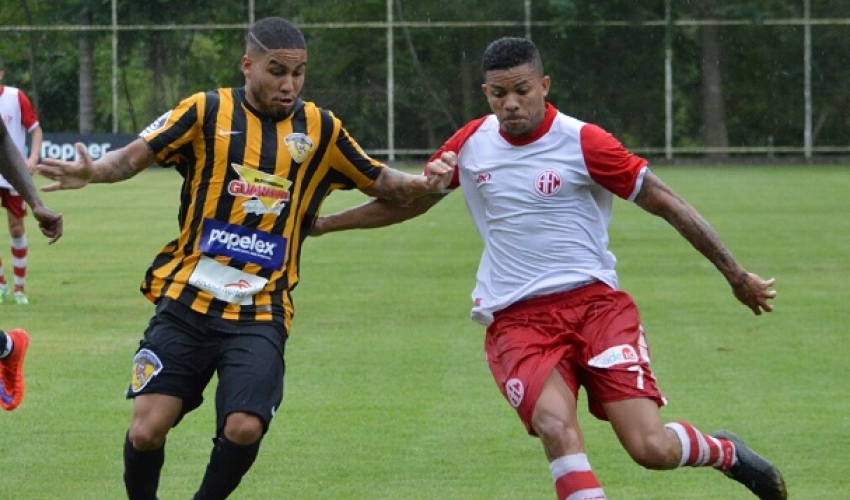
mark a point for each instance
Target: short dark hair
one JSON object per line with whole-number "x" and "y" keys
{"x": 510, "y": 52}
{"x": 274, "y": 33}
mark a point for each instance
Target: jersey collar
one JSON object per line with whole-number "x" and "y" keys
{"x": 544, "y": 127}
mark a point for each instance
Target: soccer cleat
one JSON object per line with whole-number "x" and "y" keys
{"x": 754, "y": 471}
{"x": 20, "y": 298}
{"x": 12, "y": 371}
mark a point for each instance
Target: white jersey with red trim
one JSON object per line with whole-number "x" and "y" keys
{"x": 20, "y": 118}
{"x": 541, "y": 205}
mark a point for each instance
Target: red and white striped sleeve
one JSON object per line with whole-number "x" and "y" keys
{"x": 29, "y": 119}
{"x": 610, "y": 164}
{"x": 455, "y": 144}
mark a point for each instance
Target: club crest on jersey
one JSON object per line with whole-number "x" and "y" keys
{"x": 548, "y": 183}
{"x": 146, "y": 366}
{"x": 515, "y": 391}
{"x": 268, "y": 193}
{"x": 299, "y": 145}
{"x": 156, "y": 125}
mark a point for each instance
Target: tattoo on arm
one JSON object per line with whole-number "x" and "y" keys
{"x": 396, "y": 186}
{"x": 116, "y": 166}
{"x": 375, "y": 213}
{"x": 658, "y": 199}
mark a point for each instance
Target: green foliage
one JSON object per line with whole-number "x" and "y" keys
{"x": 606, "y": 60}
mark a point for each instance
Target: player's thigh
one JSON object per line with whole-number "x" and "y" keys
{"x": 555, "y": 418}
{"x": 635, "y": 422}
{"x": 615, "y": 359}
{"x": 177, "y": 356}
{"x": 556, "y": 398}
{"x": 16, "y": 209}
{"x": 250, "y": 374}
{"x": 523, "y": 355}
{"x": 153, "y": 416}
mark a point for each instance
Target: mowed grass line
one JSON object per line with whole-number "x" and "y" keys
{"x": 387, "y": 392}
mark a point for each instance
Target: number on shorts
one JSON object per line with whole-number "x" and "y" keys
{"x": 639, "y": 370}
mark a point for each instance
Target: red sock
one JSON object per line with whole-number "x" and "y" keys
{"x": 700, "y": 449}
{"x": 574, "y": 480}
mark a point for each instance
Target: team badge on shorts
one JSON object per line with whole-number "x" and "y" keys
{"x": 146, "y": 365}
{"x": 515, "y": 391}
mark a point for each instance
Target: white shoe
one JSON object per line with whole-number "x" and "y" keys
{"x": 20, "y": 298}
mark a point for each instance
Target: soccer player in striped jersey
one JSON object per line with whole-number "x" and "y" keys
{"x": 257, "y": 162}
{"x": 539, "y": 187}
{"x": 13, "y": 344}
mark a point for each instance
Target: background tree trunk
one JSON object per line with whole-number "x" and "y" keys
{"x": 715, "y": 134}
{"x": 86, "y": 79}
{"x": 31, "y": 51}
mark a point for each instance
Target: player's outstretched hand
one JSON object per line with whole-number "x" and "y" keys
{"x": 67, "y": 174}
{"x": 755, "y": 292}
{"x": 49, "y": 222}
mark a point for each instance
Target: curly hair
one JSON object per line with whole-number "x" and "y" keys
{"x": 510, "y": 52}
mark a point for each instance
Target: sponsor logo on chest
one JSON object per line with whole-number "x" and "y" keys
{"x": 242, "y": 244}
{"x": 266, "y": 193}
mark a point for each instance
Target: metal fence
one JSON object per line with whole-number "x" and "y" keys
{"x": 402, "y": 138}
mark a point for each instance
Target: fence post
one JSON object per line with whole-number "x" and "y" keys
{"x": 668, "y": 81}
{"x": 807, "y": 72}
{"x": 390, "y": 85}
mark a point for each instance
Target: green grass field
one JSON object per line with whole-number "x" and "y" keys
{"x": 387, "y": 393}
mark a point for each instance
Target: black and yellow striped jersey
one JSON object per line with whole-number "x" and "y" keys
{"x": 252, "y": 187}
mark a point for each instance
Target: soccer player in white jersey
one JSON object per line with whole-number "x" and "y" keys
{"x": 18, "y": 113}
{"x": 539, "y": 186}
{"x": 13, "y": 344}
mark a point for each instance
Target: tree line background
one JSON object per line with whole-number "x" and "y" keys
{"x": 735, "y": 84}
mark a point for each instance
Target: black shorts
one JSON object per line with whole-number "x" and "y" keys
{"x": 182, "y": 350}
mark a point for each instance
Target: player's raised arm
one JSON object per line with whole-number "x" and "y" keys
{"x": 658, "y": 199}
{"x": 373, "y": 214}
{"x": 388, "y": 207}
{"x": 114, "y": 166}
{"x": 398, "y": 186}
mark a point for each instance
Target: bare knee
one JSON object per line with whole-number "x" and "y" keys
{"x": 638, "y": 425}
{"x": 146, "y": 437}
{"x": 243, "y": 428}
{"x": 657, "y": 451}
{"x": 153, "y": 417}
{"x": 559, "y": 436}
{"x": 16, "y": 227}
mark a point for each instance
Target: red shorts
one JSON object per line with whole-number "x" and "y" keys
{"x": 592, "y": 335}
{"x": 13, "y": 202}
